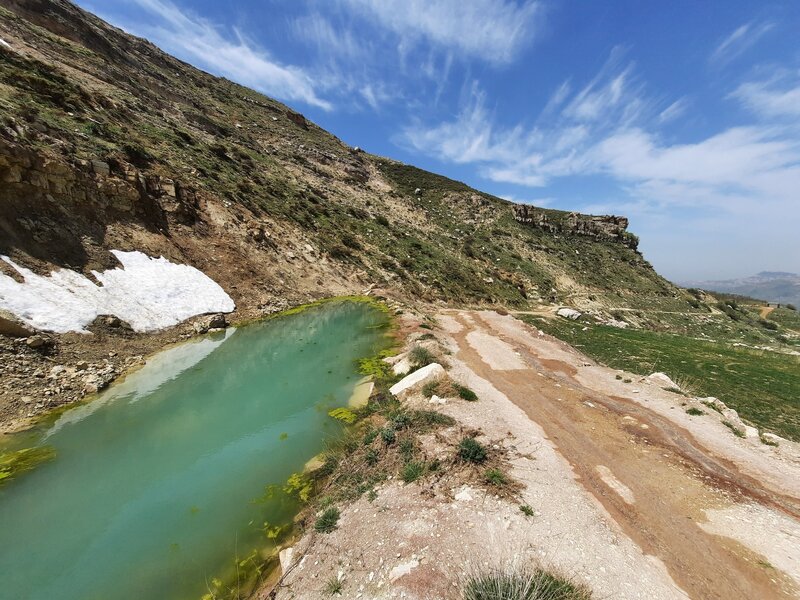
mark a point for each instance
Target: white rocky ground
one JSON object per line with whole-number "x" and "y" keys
{"x": 420, "y": 540}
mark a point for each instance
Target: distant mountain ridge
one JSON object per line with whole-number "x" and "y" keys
{"x": 772, "y": 286}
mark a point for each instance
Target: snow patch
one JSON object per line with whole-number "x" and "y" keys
{"x": 148, "y": 293}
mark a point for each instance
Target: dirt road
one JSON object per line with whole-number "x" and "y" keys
{"x": 654, "y": 479}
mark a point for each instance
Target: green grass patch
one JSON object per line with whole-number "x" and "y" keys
{"x": 762, "y": 386}
{"x": 412, "y": 471}
{"x": 527, "y": 510}
{"x": 328, "y": 520}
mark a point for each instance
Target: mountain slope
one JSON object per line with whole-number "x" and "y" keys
{"x": 108, "y": 143}
{"x": 768, "y": 285}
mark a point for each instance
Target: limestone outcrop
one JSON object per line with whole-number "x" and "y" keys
{"x": 606, "y": 227}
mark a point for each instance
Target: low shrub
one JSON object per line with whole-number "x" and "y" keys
{"x": 695, "y": 412}
{"x": 791, "y": 307}
{"x": 465, "y": 393}
{"x": 471, "y": 450}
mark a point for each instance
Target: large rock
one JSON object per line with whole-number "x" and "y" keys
{"x": 417, "y": 378}
{"x": 663, "y": 380}
{"x": 569, "y": 313}
{"x": 11, "y": 326}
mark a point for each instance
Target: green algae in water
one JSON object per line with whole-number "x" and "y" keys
{"x": 158, "y": 485}
{"x": 16, "y": 462}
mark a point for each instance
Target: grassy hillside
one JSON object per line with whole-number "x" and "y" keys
{"x": 75, "y": 90}
{"x": 763, "y": 386}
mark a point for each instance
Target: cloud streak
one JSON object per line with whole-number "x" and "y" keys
{"x": 233, "y": 56}
{"x": 739, "y": 41}
{"x": 490, "y": 30}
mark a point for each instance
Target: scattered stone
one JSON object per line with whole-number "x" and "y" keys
{"x": 418, "y": 377}
{"x": 40, "y": 342}
{"x": 569, "y": 313}
{"x": 662, "y": 379}
{"x": 285, "y": 556}
{"x": 402, "y": 570}
{"x": 81, "y": 365}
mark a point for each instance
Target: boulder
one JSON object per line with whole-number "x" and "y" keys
{"x": 662, "y": 379}
{"x": 569, "y": 313}
{"x": 285, "y": 556}
{"x": 771, "y": 438}
{"x": 417, "y": 378}
{"x": 12, "y": 327}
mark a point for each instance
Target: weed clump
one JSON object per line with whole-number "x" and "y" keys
{"x": 344, "y": 415}
{"x": 524, "y": 584}
{"x": 527, "y": 510}
{"x": 694, "y": 411}
{"x": 495, "y": 477}
{"x": 465, "y": 393}
{"x": 328, "y": 520}
{"x": 471, "y": 450}
{"x": 419, "y": 356}
{"x": 333, "y": 587}
{"x": 412, "y": 471}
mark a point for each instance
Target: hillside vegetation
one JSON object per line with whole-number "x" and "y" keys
{"x": 108, "y": 142}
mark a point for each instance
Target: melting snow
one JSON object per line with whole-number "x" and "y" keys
{"x": 148, "y": 293}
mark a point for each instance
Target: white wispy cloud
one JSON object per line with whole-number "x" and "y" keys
{"x": 739, "y": 41}
{"x": 777, "y": 97}
{"x": 490, "y": 30}
{"x": 229, "y": 54}
{"x": 742, "y": 179}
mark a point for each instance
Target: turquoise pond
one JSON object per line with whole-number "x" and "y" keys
{"x": 159, "y": 483}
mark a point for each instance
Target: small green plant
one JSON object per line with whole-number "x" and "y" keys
{"x": 527, "y": 510}
{"x": 388, "y": 436}
{"x": 495, "y": 477}
{"x": 471, "y": 450}
{"x": 618, "y": 376}
{"x": 736, "y": 431}
{"x": 694, "y": 411}
{"x": 333, "y": 587}
{"x": 371, "y": 457}
{"x": 328, "y": 520}
{"x": 370, "y": 436}
{"x": 412, "y": 471}
{"x": 430, "y": 388}
{"x": 407, "y": 448}
{"x": 419, "y": 356}
{"x": 767, "y": 441}
{"x": 465, "y": 393}
{"x": 627, "y": 380}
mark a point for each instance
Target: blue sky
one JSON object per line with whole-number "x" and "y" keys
{"x": 682, "y": 115}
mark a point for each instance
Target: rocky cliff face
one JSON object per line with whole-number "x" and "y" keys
{"x": 606, "y": 227}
